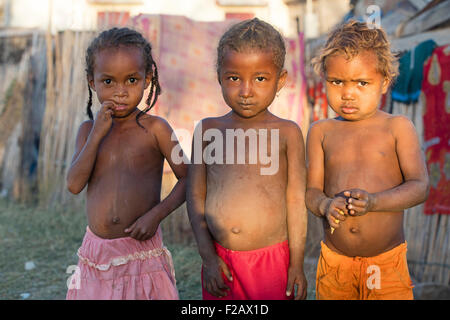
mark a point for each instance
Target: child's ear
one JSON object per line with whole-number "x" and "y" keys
{"x": 91, "y": 82}
{"x": 148, "y": 79}
{"x": 282, "y": 79}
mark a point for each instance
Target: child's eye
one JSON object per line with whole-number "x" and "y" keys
{"x": 107, "y": 81}
{"x": 336, "y": 82}
{"x": 260, "y": 79}
{"x": 233, "y": 78}
{"x": 132, "y": 80}
{"x": 363, "y": 83}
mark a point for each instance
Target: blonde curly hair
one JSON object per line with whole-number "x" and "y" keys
{"x": 353, "y": 37}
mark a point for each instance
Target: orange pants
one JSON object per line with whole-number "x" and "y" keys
{"x": 382, "y": 277}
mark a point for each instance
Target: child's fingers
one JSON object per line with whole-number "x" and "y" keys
{"x": 108, "y": 104}
{"x": 354, "y": 193}
{"x": 340, "y": 214}
{"x": 217, "y": 288}
{"x": 289, "y": 287}
{"x": 226, "y": 271}
{"x": 137, "y": 233}
{"x": 355, "y": 206}
{"x": 130, "y": 228}
{"x": 333, "y": 222}
{"x": 358, "y": 204}
{"x": 301, "y": 292}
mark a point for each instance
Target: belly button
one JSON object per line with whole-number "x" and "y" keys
{"x": 354, "y": 230}
{"x": 235, "y": 230}
{"x": 116, "y": 220}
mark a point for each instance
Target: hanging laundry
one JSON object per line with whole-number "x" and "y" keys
{"x": 317, "y": 98}
{"x": 436, "y": 118}
{"x": 407, "y": 87}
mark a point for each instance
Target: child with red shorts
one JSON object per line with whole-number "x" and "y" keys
{"x": 248, "y": 211}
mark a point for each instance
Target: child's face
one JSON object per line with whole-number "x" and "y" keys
{"x": 250, "y": 80}
{"x": 354, "y": 87}
{"x": 119, "y": 76}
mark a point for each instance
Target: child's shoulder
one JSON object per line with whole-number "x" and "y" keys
{"x": 154, "y": 123}
{"x": 323, "y": 124}
{"x": 287, "y": 127}
{"x": 85, "y": 127}
{"x": 397, "y": 119}
{"x": 213, "y": 122}
{"x": 400, "y": 124}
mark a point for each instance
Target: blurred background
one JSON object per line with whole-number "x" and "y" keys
{"x": 43, "y": 95}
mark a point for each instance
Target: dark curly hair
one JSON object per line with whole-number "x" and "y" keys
{"x": 252, "y": 34}
{"x": 126, "y": 37}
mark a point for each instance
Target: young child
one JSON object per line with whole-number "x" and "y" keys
{"x": 364, "y": 168}
{"x": 249, "y": 220}
{"x": 120, "y": 157}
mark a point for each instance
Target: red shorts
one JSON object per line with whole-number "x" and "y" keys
{"x": 259, "y": 274}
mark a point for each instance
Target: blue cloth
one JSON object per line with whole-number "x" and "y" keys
{"x": 407, "y": 87}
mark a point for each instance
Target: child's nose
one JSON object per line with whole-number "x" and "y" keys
{"x": 347, "y": 93}
{"x": 246, "y": 89}
{"x": 121, "y": 91}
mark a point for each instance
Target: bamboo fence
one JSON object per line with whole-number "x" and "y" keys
{"x": 22, "y": 101}
{"x": 66, "y": 99}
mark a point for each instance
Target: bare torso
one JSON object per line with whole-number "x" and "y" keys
{"x": 245, "y": 209}
{"x": 126, "y": 180}
{"x": 362, "y": 155}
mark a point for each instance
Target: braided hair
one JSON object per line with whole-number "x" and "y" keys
{"x": 116, "y": 37}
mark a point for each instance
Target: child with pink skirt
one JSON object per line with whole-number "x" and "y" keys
{"x": 120, "y": 157}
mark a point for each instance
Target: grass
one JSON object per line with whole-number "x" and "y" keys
{"x": 51, "y": 239}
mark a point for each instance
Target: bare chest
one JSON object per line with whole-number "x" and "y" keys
{"x": 129, "y": 150}
{"x": 362, "y": 147}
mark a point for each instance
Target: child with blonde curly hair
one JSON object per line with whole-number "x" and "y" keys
{"x": 365, "y": 167}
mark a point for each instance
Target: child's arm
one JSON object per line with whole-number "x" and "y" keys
{"x": 316, "y": 200}
{"x": 145, "y": 226}
{"x": 213, "y": 266}
{"x": 296, "y": 211}
{"x": 89, "y": 136}
{"x": 414, "y": 189}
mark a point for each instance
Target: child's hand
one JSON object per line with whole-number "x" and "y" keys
{"x": 335, "y": 212}
{"x": 296, "y": 278}
{"x": 359, "y": 201}
{"x": 213, "y": 280}
{"x": 103, "y": 119}
{"x": 144, "y": 227}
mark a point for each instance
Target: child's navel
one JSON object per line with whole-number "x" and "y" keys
{"x": 116, "y": 220}
{"x": 354, "y": 230}
{"x": 235, "y": 230}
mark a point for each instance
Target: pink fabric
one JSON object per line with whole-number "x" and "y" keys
{"x": 259, "y": 274}
{"x": 185, "y": 52}
{"x": 123, "y": 269}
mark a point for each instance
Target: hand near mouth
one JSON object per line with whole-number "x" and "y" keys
{"x": 103, "y": 119}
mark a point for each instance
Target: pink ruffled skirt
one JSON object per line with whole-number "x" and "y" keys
{"x": 123, "y": 269}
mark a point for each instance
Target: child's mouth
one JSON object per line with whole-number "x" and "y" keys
{"x": 245, "y": 105}
{"x": 120, "y": 107}
{"x": 348, "y": 109}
